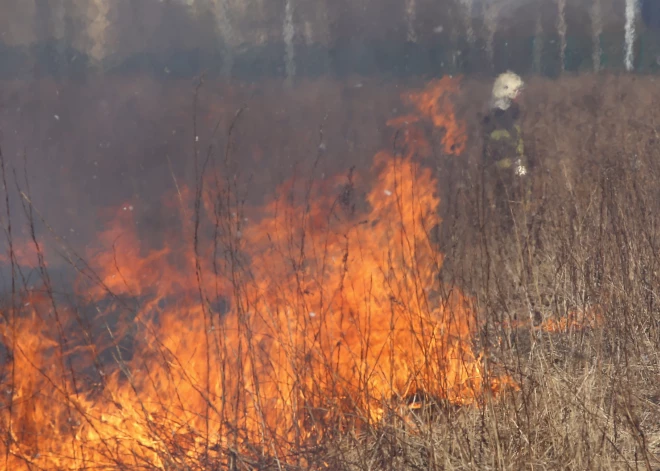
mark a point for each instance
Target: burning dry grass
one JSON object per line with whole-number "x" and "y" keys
{"x": 335, "y": 327}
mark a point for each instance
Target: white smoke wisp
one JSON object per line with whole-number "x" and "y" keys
{"x": 631, "y": 14}
{"x": 411, "y": 19}
{"x": 97, "y": 27}
{"x": 468, "y": 7}
{"x": 288, "y": 34}
{"x": 59, "y": 19}
{"x": 491, "y": 15}
{"x": 195, "y": 6}
{"x": 225, "y": 29}
{"x": 597, "y": 30}
{"x": 494, "y": 13}
{"x": 506, "y": 8}
{"x": 561, "y": 31}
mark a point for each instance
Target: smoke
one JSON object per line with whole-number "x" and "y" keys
{"x": 97, "y": 27}
{"x": 289, "y": 32}
{"x": 561, "y": 31}
{"x": 468, "y": 8}
{"x": 597, "y": 30}
{"x": 631, "y": 13}
{"x": 58, "y": 10}
{"x": 225, "y": 30}
{"x": 411, "y": 19}
{"x": 491, "y": 14}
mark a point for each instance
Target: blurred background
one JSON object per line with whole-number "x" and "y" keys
{"x": 96, "y": 96}
{"x": 299, "y": 38}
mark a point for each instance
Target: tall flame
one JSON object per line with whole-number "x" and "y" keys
{"x": 434, "y": 102}
{"x": 255, "y": 329}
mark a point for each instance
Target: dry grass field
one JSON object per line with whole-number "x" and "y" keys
{"x": 319, "y": 282}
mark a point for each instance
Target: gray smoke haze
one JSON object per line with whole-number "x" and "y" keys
{"x": 97, "y": 93}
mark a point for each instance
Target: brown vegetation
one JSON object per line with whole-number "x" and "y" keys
{"x": 558, "y": 331}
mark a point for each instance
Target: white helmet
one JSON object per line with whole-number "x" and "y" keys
{"x": 506, "y": 88}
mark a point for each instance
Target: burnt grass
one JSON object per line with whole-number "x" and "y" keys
{"x": 589, "y": 241}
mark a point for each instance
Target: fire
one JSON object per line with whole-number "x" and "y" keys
{"x": 575, "y": 319}
{"x": 265, "y": 327}
{"x": 434, "y": 102}
{"x": 25, "y": 253}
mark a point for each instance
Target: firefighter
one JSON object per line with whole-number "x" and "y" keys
{"x": 504, "y": 163}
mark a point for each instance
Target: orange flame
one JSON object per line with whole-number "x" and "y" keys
{"x": 25, "y": 252}
{"x": 575, "y": 320}
{"x": 435, "y": 103}
{"x": 318, "y": 315}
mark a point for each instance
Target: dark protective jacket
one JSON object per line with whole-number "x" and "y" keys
{"x": 503, "y": 143}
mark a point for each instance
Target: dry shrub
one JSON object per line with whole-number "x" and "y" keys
{"x": 585, "y": 247}
{"x": 567, "y": 298}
